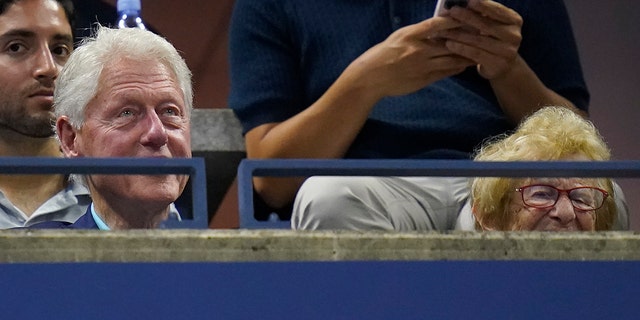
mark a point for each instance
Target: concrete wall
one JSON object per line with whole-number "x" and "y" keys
{"x": 19, "y": 246}
{"x": 211, "y": 274}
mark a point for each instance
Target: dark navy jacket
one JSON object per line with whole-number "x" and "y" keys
{"x": 84, "y": 222}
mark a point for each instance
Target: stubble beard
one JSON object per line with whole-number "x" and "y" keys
{"x": 17, "y": 119}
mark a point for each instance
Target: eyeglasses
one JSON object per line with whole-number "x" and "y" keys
{"x": 545, "y": 196}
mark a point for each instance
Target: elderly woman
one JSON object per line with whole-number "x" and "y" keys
{"x": 546, "y": 204}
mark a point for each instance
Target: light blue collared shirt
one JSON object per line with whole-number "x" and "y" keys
{"x": 98, "y": 220}
{"x": 173, "y": 213}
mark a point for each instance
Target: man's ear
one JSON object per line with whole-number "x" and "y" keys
{"x": 478, "y": 218}
{"x": 67, "y": 136}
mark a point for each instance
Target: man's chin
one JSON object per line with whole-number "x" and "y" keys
{"x": 157, "y": 193}
{"x": 32, "y": 132}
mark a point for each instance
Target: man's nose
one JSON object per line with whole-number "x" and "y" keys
{"x": 155, "y": 134}
{"x": 45, "y": 65}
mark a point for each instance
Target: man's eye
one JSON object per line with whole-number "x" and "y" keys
{"x": 16, "y": 47}
{"x": 126, "y": 113}
{"x": 62, "y": 51}
{"x": 172, "y": 112}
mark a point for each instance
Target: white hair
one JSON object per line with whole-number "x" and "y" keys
{"x": 78, "y": 80}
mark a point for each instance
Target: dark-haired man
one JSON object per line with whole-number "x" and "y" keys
{"x": 36, "y": 39}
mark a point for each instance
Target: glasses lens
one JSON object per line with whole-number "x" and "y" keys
{"x": 586, "y": 198}
{"x": 539, "y": 196}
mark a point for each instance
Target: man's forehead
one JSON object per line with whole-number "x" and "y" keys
{"x": 123, "y": 69}
{"x": 35, "y": 15}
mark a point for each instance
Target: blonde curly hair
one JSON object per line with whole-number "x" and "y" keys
{"x": 551, "y": 133}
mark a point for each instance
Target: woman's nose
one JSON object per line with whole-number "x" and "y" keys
{"x": 563, "y": 209}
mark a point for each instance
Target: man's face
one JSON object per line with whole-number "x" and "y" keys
{"x": 35, "y": 42}
{"x": 562, "y": 216}
{"x": 138, "y": 111}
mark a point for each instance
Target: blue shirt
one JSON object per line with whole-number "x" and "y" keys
{"x": 101, "y": 225}
{"x": 67, "y": 205}
{"x": 284, "y": 55}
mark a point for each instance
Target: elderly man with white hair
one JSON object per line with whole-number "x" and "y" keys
{"x": 125, "y": 93}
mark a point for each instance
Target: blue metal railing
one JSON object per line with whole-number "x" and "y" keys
{"x": 250, "y": 168}
{"x": 194, "y": 167}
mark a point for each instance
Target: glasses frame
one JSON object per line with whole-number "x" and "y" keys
{"x": 560, "y": 192}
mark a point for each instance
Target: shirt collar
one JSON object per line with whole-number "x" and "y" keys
{"x": 98, "y": 220}
{"x": 173, "y": 212}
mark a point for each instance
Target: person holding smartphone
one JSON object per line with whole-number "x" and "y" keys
{"x": 388, "y": 80}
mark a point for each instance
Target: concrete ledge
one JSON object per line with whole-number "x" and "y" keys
{"x": 18, "y": 246}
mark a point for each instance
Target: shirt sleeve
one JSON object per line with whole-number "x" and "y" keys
{"x": 549, "y": 48}
{"x": 265, "y": 84}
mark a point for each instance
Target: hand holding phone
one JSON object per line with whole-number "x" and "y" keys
{"x": 443, "y": 5}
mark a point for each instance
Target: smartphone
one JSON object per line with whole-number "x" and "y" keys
{"x": 443, "y": 5}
